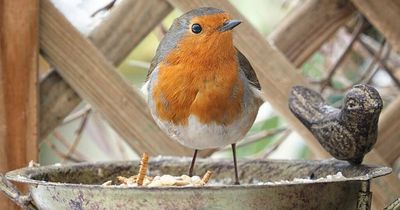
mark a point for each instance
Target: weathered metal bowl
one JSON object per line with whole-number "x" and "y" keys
{"x": 78, "y": 186}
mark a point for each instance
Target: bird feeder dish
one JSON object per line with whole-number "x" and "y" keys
{"x": 78, "y": 186}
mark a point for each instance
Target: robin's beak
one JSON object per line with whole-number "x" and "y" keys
{"x": 229, "y": 25}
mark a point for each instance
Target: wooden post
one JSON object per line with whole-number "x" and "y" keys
{"x": 18, "y": 85}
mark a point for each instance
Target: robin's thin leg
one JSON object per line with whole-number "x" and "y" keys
{"x": 192, "y": 164}
{"x": 235, "y": 163}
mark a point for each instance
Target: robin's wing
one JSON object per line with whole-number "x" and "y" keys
{"x": 248, "y": 70}
{"x": 163, "y": 49}
{"x": 168, "y": 43}
{"x": 154, "y": 63}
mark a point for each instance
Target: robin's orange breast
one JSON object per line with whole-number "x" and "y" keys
{"x": 212, "y": 93}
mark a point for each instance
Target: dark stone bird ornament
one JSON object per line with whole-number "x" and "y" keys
{"x": 347, "y": 133}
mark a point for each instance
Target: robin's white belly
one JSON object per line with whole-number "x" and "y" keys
{"x": 197, "y": 135}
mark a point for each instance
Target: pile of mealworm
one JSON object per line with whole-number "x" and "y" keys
{"x": 141, "y": 179}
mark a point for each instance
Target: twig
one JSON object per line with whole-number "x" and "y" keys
{"x": 369, "y": 78}
{"x": 76, "y": 115}
{"x": 356, "y": 33}
{"x": 388, "y": 70}
{"x": 139, "y": 64}
{"x": 372, "y": 67}
{"x": 257, "y": 137}
{"x": 121, "y": 148}
{"x": 160, "y": 31}
{"x": 394, "y": 58}
{"x": 380, "y": 59}
{"x": 59, "y": 153}
{"x": 65, "y": 143}
{"x": 382, "y": 63}
{"x": 23, "y": 201}
{"x": 105, "y": 8}
{"x": 395, "y": 205}
{"x": 78, "y": 134}
{"x": 104, "y": 136}
{"x": 163, "y": 29}
{"x": 384, "y": 59}
{"x": 276, "y": 145}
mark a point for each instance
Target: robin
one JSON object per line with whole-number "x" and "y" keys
{"x": 201, "y": 90}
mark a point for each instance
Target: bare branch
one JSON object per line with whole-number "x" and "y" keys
{"x": 371, "y": 70}
{"x": 105, "y": 8}
{"x": 356, "y": 33}
{"x": 23, "y": 201}
{"x": 382, "y": 63}
{"x": 76, "y": 115}
{"x": 257, "y": 137}
{"x": 57, "y": 135}
{"x": 78, "y": 134}
{"x": 59, "y": 153}
{"x": 276, "y": 145}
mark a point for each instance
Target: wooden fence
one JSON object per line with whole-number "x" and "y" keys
{"x": 85, "y": 64}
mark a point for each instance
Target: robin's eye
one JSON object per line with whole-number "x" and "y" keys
{"x": 196, "y": 28}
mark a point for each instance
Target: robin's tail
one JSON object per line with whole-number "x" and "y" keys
{"x": 307, "y": 105}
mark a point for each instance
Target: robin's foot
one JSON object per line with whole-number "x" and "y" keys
{"x": 192, "y": 164}
{"x": 235, "y": 163}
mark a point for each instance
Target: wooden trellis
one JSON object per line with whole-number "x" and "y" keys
{"x": 85, "y": 68}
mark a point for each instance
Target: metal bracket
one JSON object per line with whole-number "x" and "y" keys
{"x": 364, "y": 196}
{"x": 23, "y": 201}
{"x": 394, "y": 206}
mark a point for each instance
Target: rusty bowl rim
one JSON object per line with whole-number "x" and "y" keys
{"x": 21, "y": 176}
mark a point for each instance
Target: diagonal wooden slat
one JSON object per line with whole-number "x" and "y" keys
{"x": 305, "y": 29}
{"x": 123, "y": 29}
{"x": 385, "y": 16}
{"x": 276, "y": 74}
{"x": 127, "y": 25}
{"x": 80, "y": 63}
{"x": 388, "y": 144}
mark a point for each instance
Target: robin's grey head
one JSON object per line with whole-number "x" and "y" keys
{"x": 363, "y": 98}
{"x": 201, "y": 31}
{"x": 203, "y": 21}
